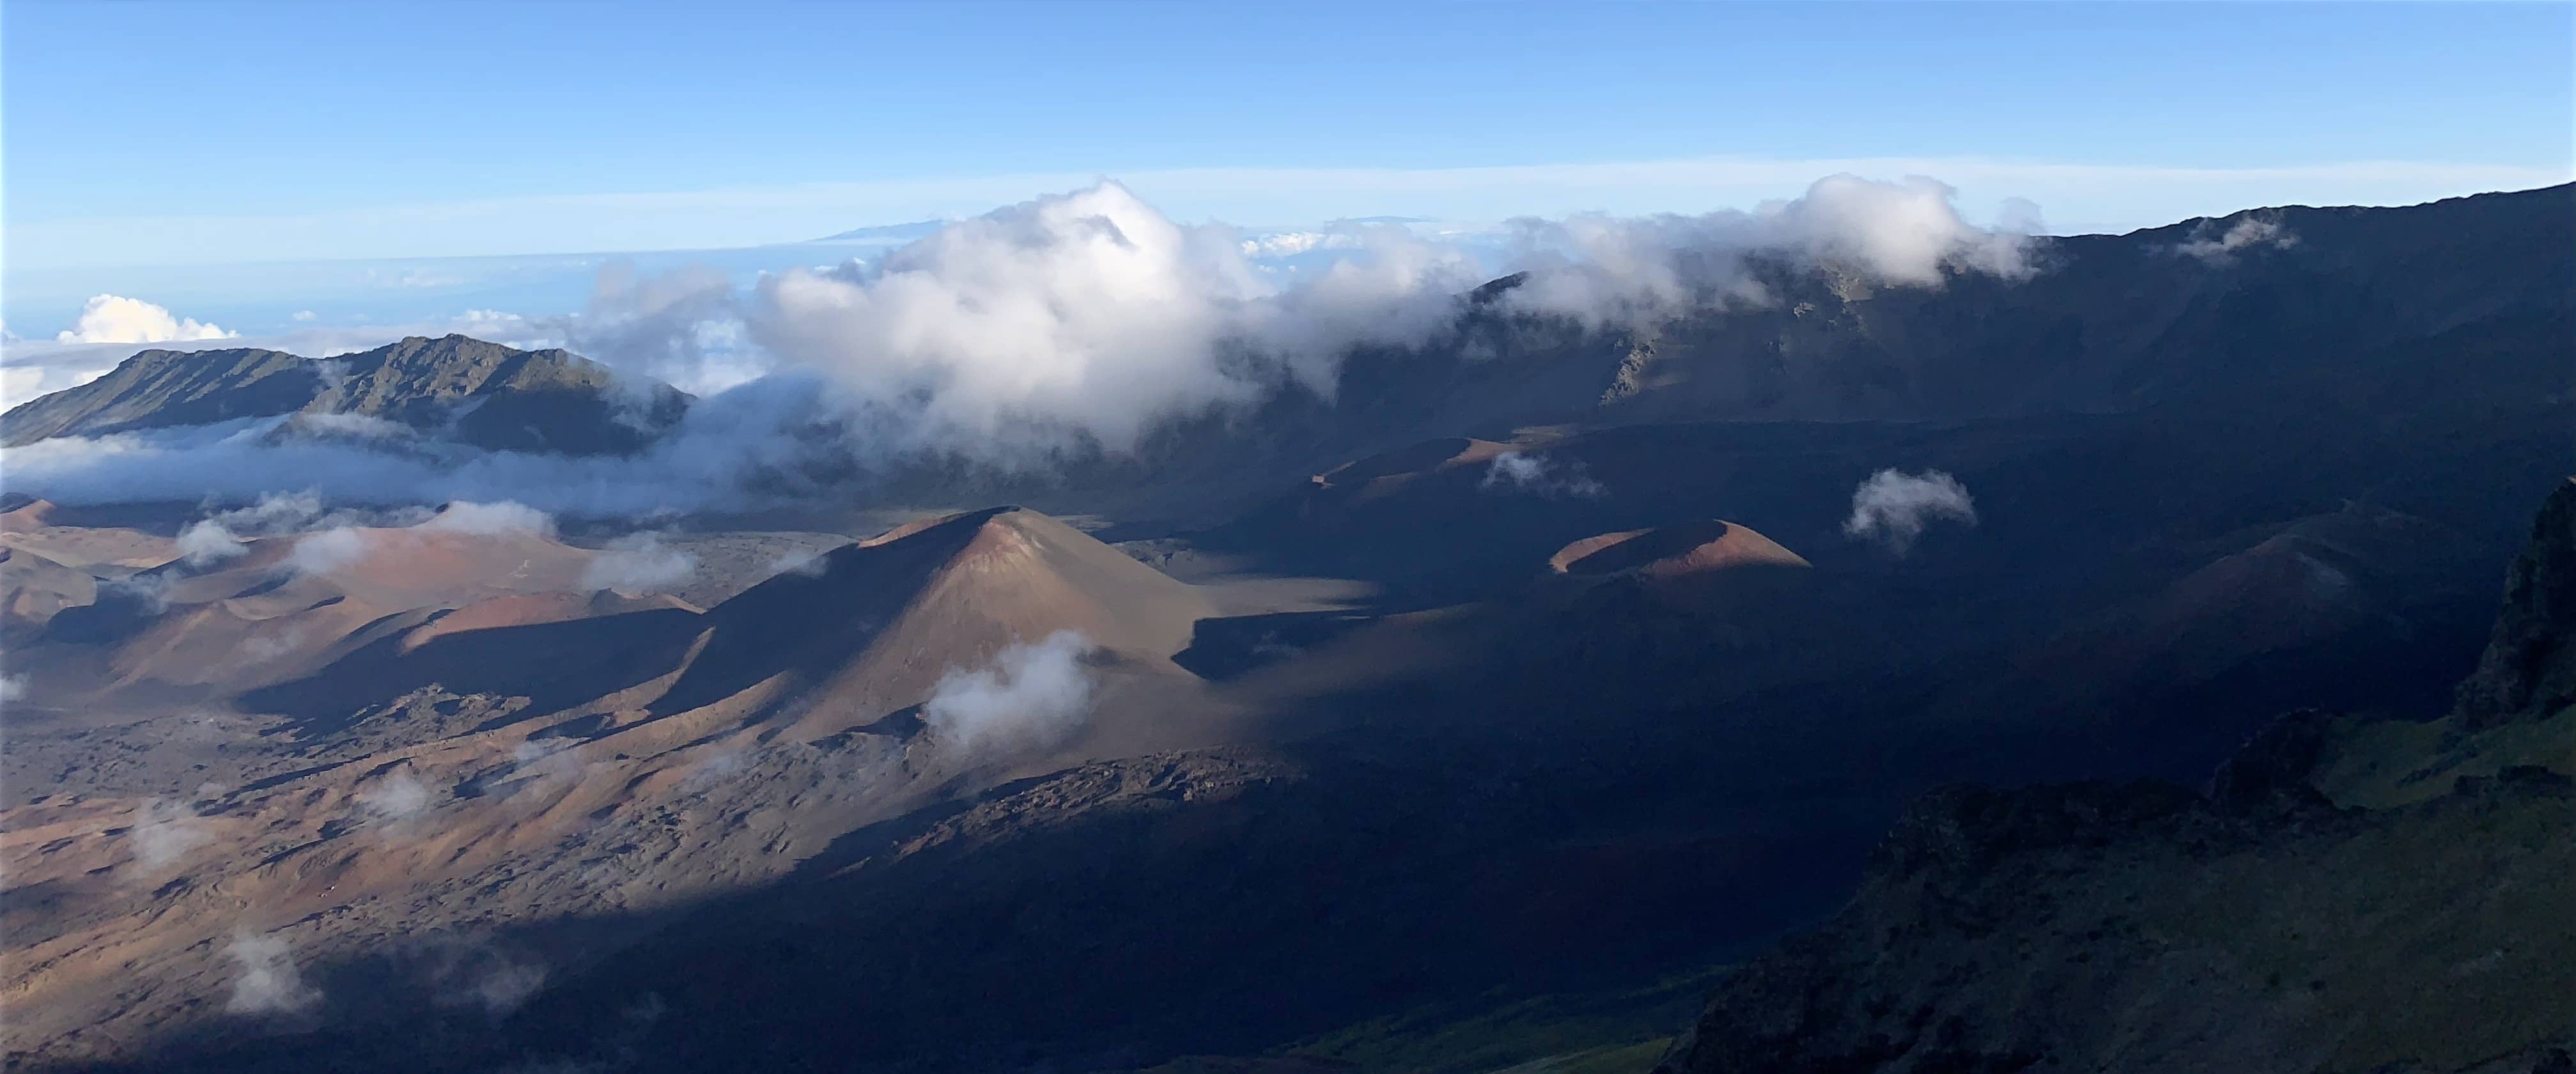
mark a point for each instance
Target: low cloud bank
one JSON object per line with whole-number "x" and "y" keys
{"x": 742, "y": 449}
{"x": 1893, "y": 507}
{"x": 1063, "y": 326}
{"x": 327, "y": 539}
{"x": 218, "y": 537}
{"x": 1030, "y": 697}
{"x": 1603, "y": 270}
{"x": 1089, "y": 316}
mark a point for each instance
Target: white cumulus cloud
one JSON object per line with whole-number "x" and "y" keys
{"x": 1086, "y": 312}
{"x": 117, "y": 319}
{"x": 1893, "y": 507}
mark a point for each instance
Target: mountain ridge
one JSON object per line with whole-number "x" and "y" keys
{"x": 478, "y": 393}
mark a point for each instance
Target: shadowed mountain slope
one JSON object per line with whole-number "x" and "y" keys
{"x": 2350, "y": 895}
{"x": 2386, "y": 311}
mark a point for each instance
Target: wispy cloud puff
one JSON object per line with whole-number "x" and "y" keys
{"x": 1031, "y": 696}
{"x": 345, "y": 537}
{"x": 162, "y": 832}
{"x": 267, "y": 981}
{"x": 639, "y": 563}
{"x": 682, "y": 327}
{"x": 1540, "y": 475}
{"x": 1893, "y": 507}
{"x": 499, "y": 985}
{"x": 396, "y": 797}
{"x": 802, "y": 564}
{"x": 326, "y": 551}
{"x": 218, "y": 537}
{"x": 262, "y": 647}
{"x": 117, "y": 319}
{"x": 2246, "y": 233}
{"x": 489, "y": 519}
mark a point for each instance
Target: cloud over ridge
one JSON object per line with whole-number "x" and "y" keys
{"x": 1065, "y": 326}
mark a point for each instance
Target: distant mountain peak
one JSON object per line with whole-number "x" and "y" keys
{"x": 897, "y": 233}
{"x": 469, "y": 390}
{"x": 871, "y": 626}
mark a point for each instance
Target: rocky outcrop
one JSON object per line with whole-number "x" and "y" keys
{"x": 2102, "y": 927}
{"x": 2529, "y": 669}
{"x": 2276, "y": 770}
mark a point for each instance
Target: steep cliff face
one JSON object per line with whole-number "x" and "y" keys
{"x": 2385, "y": 896}
{"x": 2529, "y": 669}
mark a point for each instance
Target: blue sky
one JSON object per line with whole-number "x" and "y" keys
{"x": 154, "y": 135}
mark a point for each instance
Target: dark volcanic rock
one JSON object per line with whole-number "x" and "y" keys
{"x": 2530, "y": 665}
{"x": 2278, "y": 766}
{"x": 1957, "y": 833}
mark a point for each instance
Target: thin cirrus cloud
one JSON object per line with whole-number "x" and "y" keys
{"x": 2081, "y": 196}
